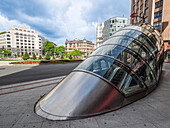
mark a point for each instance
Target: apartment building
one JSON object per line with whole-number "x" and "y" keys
{"x": 155, "y": 13}
{"x": 99, "y": 34}
{"x": 113, "y": 24}
{"x": 20, "y": 40}
{"x": 83, "y": 45}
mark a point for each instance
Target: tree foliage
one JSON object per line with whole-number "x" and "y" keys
{"x": 59, "y": 50}
{"x": 47, "y": 57}
{"x": 76, "y": 53}
{"x": 54, "y": 58}
{"x": 6, "y": 52}
{"x": 40, "y": 57}
{"x": 48, "y": 47}
{"x": 33, "y": 56}
{"x": 26, "y": 56}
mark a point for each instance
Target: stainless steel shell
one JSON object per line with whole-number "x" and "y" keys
{"x": 124, "y": 69}
{"x": 79, "y": 95}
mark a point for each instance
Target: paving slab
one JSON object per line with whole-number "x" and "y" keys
{"x": 153, "y": 111}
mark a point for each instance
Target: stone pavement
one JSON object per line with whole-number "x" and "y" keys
{"x": 17, "y": 108}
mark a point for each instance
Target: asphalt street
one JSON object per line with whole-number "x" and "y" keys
{"x": 23, "y": 73}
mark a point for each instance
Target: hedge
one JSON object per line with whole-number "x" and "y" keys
{"x": 45, "y": 61}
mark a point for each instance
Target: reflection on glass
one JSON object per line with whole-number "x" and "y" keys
{"x": 137, "y": 35}
{"x": 113, "y": 71}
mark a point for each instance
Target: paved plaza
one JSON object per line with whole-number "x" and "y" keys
{"x": 17, "y": 108}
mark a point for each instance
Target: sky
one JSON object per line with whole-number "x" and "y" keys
{"x": 58, "y": 20}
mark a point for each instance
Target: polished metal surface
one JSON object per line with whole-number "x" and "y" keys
{"x": 79, "y": 95}
{"x": 124, "y": 69}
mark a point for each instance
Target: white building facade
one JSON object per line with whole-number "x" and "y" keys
{"x": 99, "y": 34}
{"x": 21, "y": 40}
{"x": 112, "y": 25}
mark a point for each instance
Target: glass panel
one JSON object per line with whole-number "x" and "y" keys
{"x": 119, "y": 52}
{"x": 131, "y": 85}
{"x": 128, "y": 58}
{"x": 96, "y": 64}
{"x": 139, "y": 36}
{"x": 132, "y": 44}
{"x": 112, "y": 70}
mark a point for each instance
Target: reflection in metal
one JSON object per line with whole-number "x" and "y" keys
{"x": 124, "y": 69}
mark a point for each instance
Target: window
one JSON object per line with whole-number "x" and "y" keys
{"x": 141, "y": 7}
{"x": 134, "y": 8}
{"x": 157, "y": 24}
{"x": 138, "y": 3}
{"x": 146, "y": 11}
{"x": 25, "y": 40}
{"x": 8, "y": 35}
{"x": 158, "y": 14}
{"x": 134, "y": 1}
{"x": 17, "y": 39}
{"x": 25, "y": 37}
{"x": 141, "y": 14}
{"x": 17, "y": 36}
{"x": 146, "y": 19}
{"x": 123, "y": 21}
{"x": 8, "y": 42}
{"x": 21, "y": 36}
{"x": 137, "y": 11}
{"x": 159, "y": 4}
{"x": 146, "y": 3}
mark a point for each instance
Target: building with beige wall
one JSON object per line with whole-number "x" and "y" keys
{"x": 83, "y": 45}
{"x": 156, "y": 13}
{"x": 20, "y": 40}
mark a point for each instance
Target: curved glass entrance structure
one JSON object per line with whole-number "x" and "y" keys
{"x": 124, "y": 69}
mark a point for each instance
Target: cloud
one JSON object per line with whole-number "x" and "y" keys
{"x": 5, "y": 23}
{"x": 59, "y": 20}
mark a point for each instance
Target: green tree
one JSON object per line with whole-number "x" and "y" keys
{"x": 70, "y": 56}
{"x": 48, "y": 47}
{"x": 47, "y": 57}
{"x": 40, "y": 57}
{"x": 60, "y": 50}
{"x": 34, "y": 57}
{"x": 76, "y": 53}
{"x": 6, "y": 52}
{"x": 53, "y": 57}
{"x": 26, "y": 56}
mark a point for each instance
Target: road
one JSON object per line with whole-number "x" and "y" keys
{"x": 24, "y": 73}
